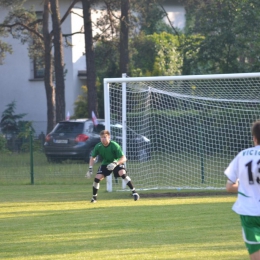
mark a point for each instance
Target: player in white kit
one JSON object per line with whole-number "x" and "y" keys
{"x": 243, "y": 175}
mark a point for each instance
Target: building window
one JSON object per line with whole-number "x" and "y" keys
{"x": 38, "y": 68}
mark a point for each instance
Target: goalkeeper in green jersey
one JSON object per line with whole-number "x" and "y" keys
{"x": 113, "y": 161}
{"x": 244, "y": 179}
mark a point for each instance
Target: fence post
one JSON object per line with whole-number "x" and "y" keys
{"x": 31, "y": 156}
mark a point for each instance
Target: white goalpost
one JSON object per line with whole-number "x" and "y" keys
{"x": 187, "y": 128}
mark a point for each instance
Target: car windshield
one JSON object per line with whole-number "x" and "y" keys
{"x": 69, "y": 128}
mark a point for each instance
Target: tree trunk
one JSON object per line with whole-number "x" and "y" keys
{"x": 58, "y": 61}
{"x": 124, "y": 32}
{"x": 48, "y": 83}
{"x": 90, "y": 59}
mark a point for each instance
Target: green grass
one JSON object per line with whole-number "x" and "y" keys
{"x": 58, "y": 222}
{"x": 163, "y": 171}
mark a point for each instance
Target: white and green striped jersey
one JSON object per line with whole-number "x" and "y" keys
{"x": 245, "y": 167}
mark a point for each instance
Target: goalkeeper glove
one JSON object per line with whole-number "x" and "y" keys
{"x": 89, "y": 172}
{"x": 112, "y": 166}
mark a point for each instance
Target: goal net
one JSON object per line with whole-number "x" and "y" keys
{"x": 181, "y": 132}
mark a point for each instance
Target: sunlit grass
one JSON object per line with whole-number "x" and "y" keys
{"x": 59, "y": 222}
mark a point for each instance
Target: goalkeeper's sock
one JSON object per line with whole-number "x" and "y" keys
{"x": 130, "y": 185}
{"x": 127, "y": 181}
{"x": 95, "y": 186}
{"x": 94, "y": 199}
{"x": 95, "y": 191}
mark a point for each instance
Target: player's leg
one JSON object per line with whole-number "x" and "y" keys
{"x": 96, "y": 184}
{"x": 255, "y": 256}
{"x": 120, "y": 170}
{"x": 251, "y": 235}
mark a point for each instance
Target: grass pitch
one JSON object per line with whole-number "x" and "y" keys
{"x": 58, "y": 222}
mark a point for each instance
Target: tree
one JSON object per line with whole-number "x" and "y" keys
{"x": 4, "y": 47}
{"x": 9, "y": 123}
{"x": 112, "y": 44}
{"x": 48, "y": 72}
{"x": 124, "y": 33}
{"x": 90, "y": 58}
{"x": 58, "y": 61}
{"x": 230, "y": 35}
{"x": 156, "y": 55}
{"x": 151, "y": 14}
{"x": 23, "y": 24}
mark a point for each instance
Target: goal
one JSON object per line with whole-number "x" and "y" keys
{"x": 181, "y": 132}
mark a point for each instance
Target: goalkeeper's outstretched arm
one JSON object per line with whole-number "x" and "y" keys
{"x": 90, "y": 168}
{"x": 91, "y": 161}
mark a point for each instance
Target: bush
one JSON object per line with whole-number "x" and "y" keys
{"x": 2, "y": 143}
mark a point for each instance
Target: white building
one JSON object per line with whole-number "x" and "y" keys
{"x": 18, "y": 82}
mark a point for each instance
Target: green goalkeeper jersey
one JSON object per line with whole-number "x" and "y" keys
{"x": 110, "y": 153}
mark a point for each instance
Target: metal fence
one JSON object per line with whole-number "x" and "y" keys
{"x": 23, "y": 161}
{"x": 32, "y": 167}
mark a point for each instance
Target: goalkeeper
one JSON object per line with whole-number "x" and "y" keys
{"x": 113, "y": 161}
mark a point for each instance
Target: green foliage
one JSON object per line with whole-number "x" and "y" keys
{"x": 190, "y": 46}
{"x": 18, "y": 131}
{"x": 145, "y": 47}
{"x": 156, "y": 55}
{"x": 105, "y": 50}
{"x": 26, "y": 27}
{"x": 108, "y": 51}
{"x": 81, "y": 105}
{"x": 26, "y": 132}
{"x": 36, "y": 146}
{"x": 151, "y": 18}
{"x": 2, "y": 144}
{"x": 26, "y": 129}
{"x": 231, "y": 36}
{"x": 151, "y": 55}
{"x": 12, "y": 3}
{"x": 9, "y": 119}
{"x": 4, "y": 48}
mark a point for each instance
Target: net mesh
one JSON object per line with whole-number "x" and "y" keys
{"x": 195, "y": 128}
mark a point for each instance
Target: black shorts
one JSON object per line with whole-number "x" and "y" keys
{"x": 103, "y": 170}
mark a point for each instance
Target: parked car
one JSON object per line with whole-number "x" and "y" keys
{"x": 75, "y": 139}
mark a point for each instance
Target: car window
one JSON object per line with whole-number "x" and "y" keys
{"x": 90, "y": 128}
{"x": 69, "y": 127}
